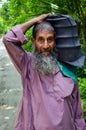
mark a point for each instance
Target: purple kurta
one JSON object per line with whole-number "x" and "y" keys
{"x": 49, "y": 102}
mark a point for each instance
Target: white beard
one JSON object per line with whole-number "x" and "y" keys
{"x": 45, "y": 65}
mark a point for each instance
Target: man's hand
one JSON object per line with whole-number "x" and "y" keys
{"x": 40, "y": 18}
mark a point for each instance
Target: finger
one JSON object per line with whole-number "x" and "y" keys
{"x": 42, "y": 17}
{"x": 48, "y": 14}
{"x": 45, "y": 15}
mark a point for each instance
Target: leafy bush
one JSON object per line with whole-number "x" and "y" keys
{"x": 82, "y": 72}
{"x": 28, "y": 46}
{"x": 82, "y": 87}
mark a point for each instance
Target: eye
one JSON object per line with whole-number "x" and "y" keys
{"x": 40, "y": 39}
{"x": 50, "y": 39}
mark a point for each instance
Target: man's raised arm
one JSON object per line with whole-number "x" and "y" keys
{"x": 15, "y": 38}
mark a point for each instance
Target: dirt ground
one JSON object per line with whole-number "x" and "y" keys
{"x": 10, "y": 91}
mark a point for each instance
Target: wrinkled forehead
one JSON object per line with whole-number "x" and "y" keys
{"x": 42, "y": 26}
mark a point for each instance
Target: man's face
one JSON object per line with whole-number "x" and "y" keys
{"x": 44, "y": 42}
{"x": 43, "y": 52}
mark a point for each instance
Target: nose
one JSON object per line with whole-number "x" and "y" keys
{"x": 45, "y": 45}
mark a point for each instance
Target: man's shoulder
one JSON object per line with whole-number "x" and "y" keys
{"x": 29, "y": 56}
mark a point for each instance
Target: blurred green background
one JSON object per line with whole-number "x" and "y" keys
{"x": 14, "y": 12}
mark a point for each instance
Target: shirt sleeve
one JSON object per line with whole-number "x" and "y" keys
{"x": 13, "y": 41}
{"x": 77, "y": 108}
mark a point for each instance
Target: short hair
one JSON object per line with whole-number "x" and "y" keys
{"x": 42, "y": 26}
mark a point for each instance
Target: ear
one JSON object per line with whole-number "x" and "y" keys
{"x": 32, "y": 40}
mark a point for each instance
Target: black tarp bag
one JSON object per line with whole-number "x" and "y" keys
{"x": 67, "y": 44}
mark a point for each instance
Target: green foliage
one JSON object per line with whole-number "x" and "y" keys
{"x": 1, "y": 25}
{"x": 84, "y": 48}
{"x": 82, "y": 84}
{"x": 82, "y": 87}
{"x": 81, "y": 73}
{"x": 14, "y": 12}
{"x": 28, "y": 46}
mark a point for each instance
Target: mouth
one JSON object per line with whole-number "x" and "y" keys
{"x": 45, "y": 53}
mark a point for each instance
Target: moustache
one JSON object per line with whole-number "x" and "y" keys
{"x": 45, "y": 50}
